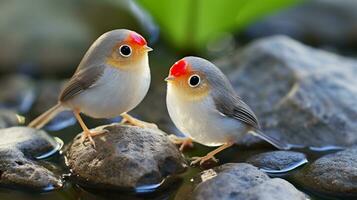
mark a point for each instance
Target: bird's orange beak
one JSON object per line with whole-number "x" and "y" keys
{"x": 169, "y": 78}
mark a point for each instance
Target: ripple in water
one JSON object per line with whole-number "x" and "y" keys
{"x": 326, "y": 148}
{"x": 148, "y": 188}
{"x": 57, "y": 148}
{"x": 289, "y": 168}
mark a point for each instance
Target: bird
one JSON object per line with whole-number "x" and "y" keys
{"x": 204, "y": 106}
{"x": 112, "y": 78}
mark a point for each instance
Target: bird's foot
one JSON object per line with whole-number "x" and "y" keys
{"x": 211, "y": 154}
{"x": 183, "y": 142}
{"x": 90, "y": 134}
{"x": 203, "y": 159}
{"x": 136, "y": 122}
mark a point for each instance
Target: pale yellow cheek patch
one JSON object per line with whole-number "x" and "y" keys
{"x": 114, "y": 62}
{"x": 121, "y": 64}
{"x": 191, "y": 94}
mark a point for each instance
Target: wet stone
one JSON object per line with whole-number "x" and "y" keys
{"x": 243, "y": 181}
{"x": 19, "y": 146}
{"x": 278, "y": 161}
{"x": 304, "y": 97}
{"x": 126, "y": 157}
{"x": 334, "y": 174}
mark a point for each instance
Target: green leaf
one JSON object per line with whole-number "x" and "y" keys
{"x": 190, "y": 24}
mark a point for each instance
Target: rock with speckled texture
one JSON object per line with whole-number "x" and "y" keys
{"x": 334, "y": 174}
{"x": 243, "y": 181}
{"x": 301, "y": 95}
{"x": 126, "y": 157}
{"x": 18, "y": 168}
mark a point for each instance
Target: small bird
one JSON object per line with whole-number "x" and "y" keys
{"x": 204, "y": 106}
{"x": 112, "y": 79}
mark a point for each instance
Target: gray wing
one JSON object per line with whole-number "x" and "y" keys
{"x": 81, "y": 80}
{"x": 234, "y": 107}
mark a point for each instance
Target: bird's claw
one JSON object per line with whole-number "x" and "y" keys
{"x": 91, "y": 134}
{"x": 135, "y": 122}
{"x": 203, "y": 159}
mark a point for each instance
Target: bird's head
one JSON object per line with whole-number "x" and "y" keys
{"x": 188, "y": 78}
{"x": 129, "y": 51}
{"x": 123, "y": 49}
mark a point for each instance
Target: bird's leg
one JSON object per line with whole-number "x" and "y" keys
{"x": 86, "y": 132}
{"x": 211, "y": 154}
{"x": 133, "y": 121}
{"x": 183, "y": 142}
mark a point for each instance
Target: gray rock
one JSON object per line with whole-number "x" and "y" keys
{"x": 18, "y": 170}
{"x": 243, "y": 181}
{"x": 18, "y": 148}
{"x": 9, "y": 118}
{"x": 321, "y": 22}
{"x": 300, "y": 94}
{"x": 30, "y": 141}
{"x": 333, "y": 174}
{"x": 278, "y": 161}
{"x": 126, "y": 157}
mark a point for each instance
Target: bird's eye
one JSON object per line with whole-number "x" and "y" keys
{"x": 125, "y": 50}
{"x": 194, "y": 80}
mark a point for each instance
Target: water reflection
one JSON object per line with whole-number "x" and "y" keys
{"x": 56, "y": 149}
{"x": 148, "y": 188}
{"x": 327, "y": 148}
{"x": 286, "y": 169}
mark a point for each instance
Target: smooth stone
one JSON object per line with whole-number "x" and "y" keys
{"x": 126, "y": 157}
{"x": 19, "y": 146}
{"x": 334, "y": 174}
{"x": 31, "y": 141}
{"x": 278, "y": 161}
{"x": 243, "y": 181}
{"x": 302, "y": 96}
{"x": 17, "y": 93}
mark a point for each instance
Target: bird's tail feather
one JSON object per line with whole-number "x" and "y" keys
{"x": 45, "y": 117}
{"x": 275, "y": 142}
